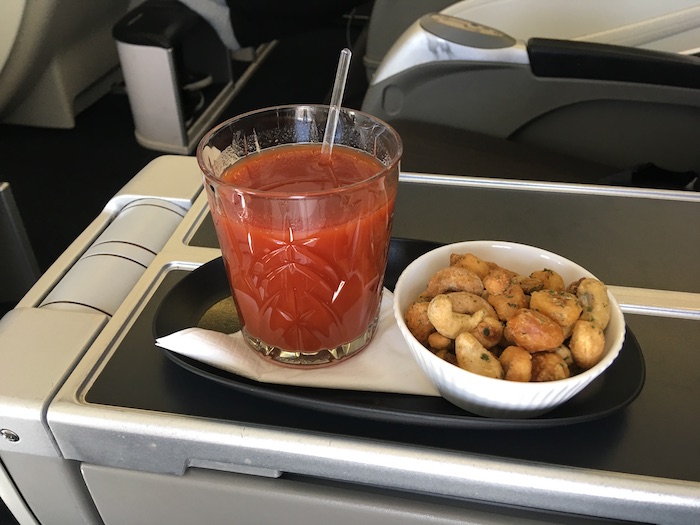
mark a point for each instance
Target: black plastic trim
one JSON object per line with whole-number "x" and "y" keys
{"x": 156, "y": 23}
{"x": 587, "y": 60}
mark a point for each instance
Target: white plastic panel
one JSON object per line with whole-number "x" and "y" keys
{"x": 100, "y": 282}
{"x": 150, "y": 77}
{"x": 147, "y": 223}
{"x": 13, "y": 500}
{"x": 39, "y": 348}
{"x": 643, "y": 23}
{"x": 108, "y": 270}
{"x": 131, "y": 252}
{"x": 126, "y": 497}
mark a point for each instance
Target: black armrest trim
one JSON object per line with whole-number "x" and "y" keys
{"x": 587, "y": 60}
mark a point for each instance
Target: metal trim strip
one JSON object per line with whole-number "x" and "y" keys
{"x": 659, "y": 303}
{"x": 146, "y": 442}
{"x": 548, "y": 187}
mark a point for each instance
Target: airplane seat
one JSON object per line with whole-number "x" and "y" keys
{"x": 615, "y": 82}
{"x": 56, "y": 58}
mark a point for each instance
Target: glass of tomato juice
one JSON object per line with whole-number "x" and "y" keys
{"x": 304, "y": 235}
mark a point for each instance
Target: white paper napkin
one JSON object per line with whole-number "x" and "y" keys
{"x": 386, "y": 365}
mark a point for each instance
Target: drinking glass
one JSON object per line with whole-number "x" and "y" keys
{"x": 304, "y": 241}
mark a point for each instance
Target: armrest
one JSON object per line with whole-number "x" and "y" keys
{"x": 587, "y": 60}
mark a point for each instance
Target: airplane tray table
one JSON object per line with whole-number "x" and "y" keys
{"x": 623, "y": 450}
{"x": 202, "y": 297}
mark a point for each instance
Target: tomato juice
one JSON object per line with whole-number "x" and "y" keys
{"x": 305, "y": 242}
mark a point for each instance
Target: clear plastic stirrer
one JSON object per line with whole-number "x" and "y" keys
{"x": 341, "y": 77}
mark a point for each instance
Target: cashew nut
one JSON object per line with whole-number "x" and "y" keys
{"x": 533, "y": 331}
{"x": 565, "y": 353}
{"x": 509, "y": 302}
{"x": 449, "y": 323}
{"x": 472, "y": 356}
{"x": 454, "y": 279}
{"x": 593, "y": 296}
{"x": 548, "y": 366}
{"x": 587, "y": 343}
{"x": 469, "y": 303}
{"x": 562, "y": 307}
{"x": 498, "y": 280}
{"x": 528, "y": 284}
{"x": 489, "y": 332}
{"x": 516, "y": 363}
{"x": 417, "y": 321}
{"x": 437, "y": 341}
{"x": 470, "y": 262}
{"x": 551, "y": 279}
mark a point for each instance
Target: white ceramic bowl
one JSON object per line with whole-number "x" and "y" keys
{"x": 486, "y": 396}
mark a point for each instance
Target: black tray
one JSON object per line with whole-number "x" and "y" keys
{"x": 202, "y": 298}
